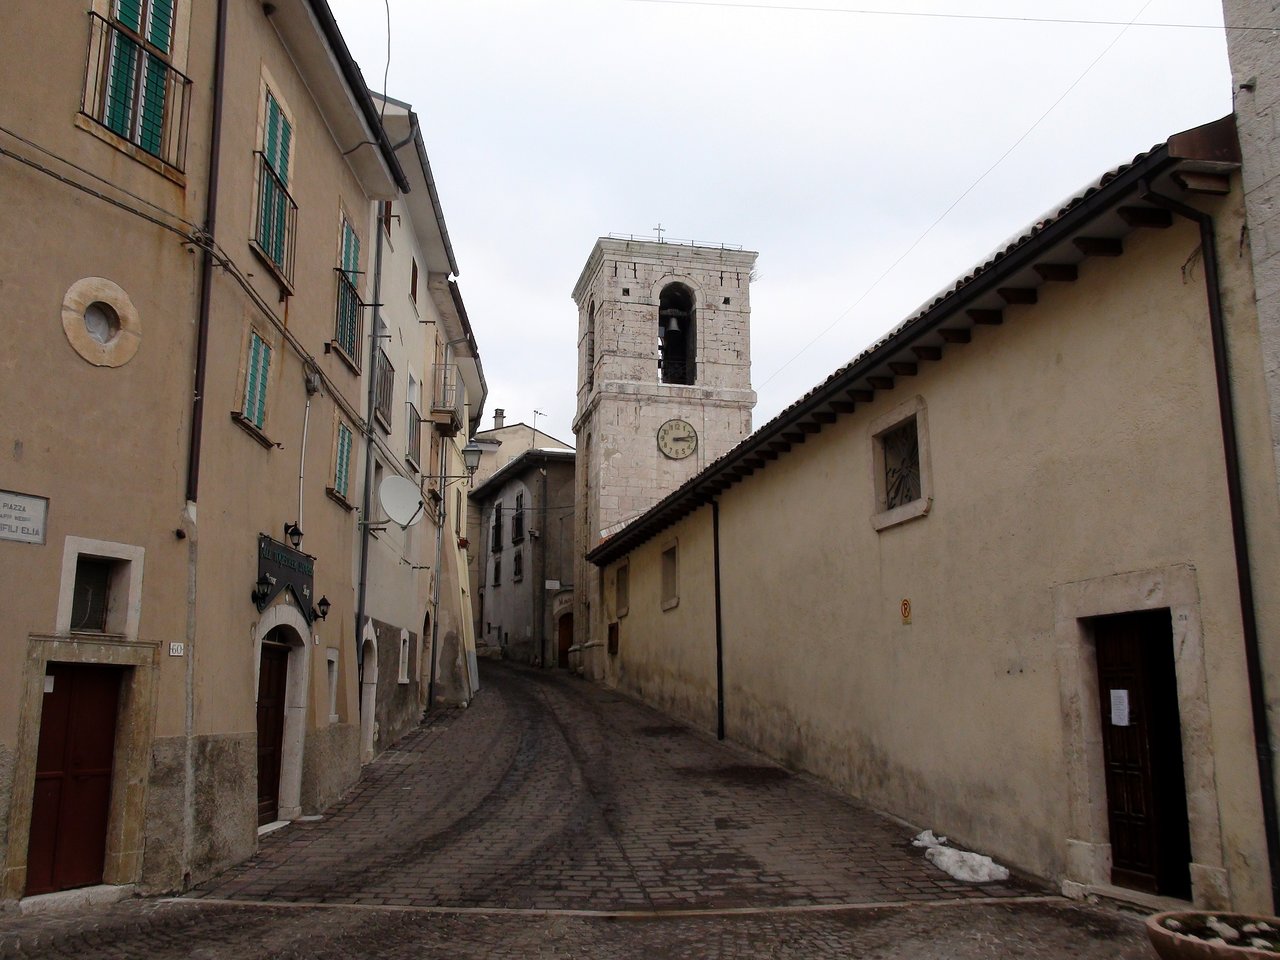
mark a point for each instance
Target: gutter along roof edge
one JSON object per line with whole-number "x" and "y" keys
{"x": 1097, "y": 199}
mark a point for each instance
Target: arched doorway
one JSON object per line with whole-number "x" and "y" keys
{"x": 281, "y": 706}
{"x": 368, "y": 691}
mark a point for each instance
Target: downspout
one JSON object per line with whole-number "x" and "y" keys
{"x": 366, "y": 498}
{"x": 435, "y": 570}
{"x": 715, "y": 552}
{"x": 1235, "y": 498}
{"x": 197, "y": 424}
{"x": 540, "y": 569}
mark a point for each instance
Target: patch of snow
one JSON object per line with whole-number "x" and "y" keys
{"x": 927, "y": 839}
{"x": 965, "y": 866}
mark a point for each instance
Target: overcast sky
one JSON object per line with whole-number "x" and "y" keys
{"x": 848, "y": 148}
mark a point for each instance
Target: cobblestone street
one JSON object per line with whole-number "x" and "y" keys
{"x": 556, "y": 819}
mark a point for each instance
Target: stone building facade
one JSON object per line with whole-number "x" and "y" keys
{"x": 1015, "y": 550}
{"x": 189, "y": 192}
{"x": 664, "y": 385}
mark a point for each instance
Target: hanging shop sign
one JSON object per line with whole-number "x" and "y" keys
{"x": 281, "y": 567}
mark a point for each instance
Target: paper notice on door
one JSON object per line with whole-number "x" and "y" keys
{"x": 48, "y": 684}
{"x": 1120, "y": 708}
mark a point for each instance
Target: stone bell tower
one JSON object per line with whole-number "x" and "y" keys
{"x": 664, "y": 383}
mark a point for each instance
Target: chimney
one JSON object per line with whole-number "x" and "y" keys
{"x": 499, "y": 418}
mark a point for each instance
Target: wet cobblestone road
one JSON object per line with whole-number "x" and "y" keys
{"x": 554, "y": 818}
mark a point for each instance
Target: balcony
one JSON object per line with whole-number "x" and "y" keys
{"x": 131, "y": 89}
{"x": 413, "y": 451}
{"x": 385, "y": 376}
{"x": 277, "y": 230}
{"x": 447, "y": 399}
{"x": 348, "y": 325}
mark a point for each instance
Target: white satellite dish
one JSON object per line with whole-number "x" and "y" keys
{"x": 401, "y": 501}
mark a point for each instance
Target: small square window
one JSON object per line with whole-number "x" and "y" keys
{"x": 900, "y": 458}
{"x": 626, "y": 291}
{"x": 670, "y": 577}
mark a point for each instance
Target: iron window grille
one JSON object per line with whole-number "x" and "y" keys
{"x": 386, "y": 378}
{"x": 131, "y": 88}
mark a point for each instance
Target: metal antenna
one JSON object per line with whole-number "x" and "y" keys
{"x": 536, "y": 415}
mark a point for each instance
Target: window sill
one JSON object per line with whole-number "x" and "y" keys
{"x": 908, "y": 511}
{"x": 333, "y": 346}
{"x": 412, "y": 464}
{"x": 91, "y": 126}
{"x": 251, "y": 428}
{"x": 382, "y": 422}
{"x": 671, "y": 603}
{"x": 276, "y": 271}
{"x": 339, "y": 499}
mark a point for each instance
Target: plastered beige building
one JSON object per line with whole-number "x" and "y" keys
{"x": 972, "y": 573}
{"x": 189, "y": 261}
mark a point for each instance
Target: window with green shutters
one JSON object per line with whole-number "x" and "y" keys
{"x": 255, "y": 381}
{"x": 347, "y": 325}
{"x": 134, "y": 89}
{"x": 276, "y": 209}
{"x": 342, "y": 465}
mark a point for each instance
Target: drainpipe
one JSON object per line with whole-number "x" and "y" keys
{"x": 1235, "y": 498}
{"x": 366, "y": 499}
{"x": 715, "y": 551}
{"x": 441, "y": 514}
{"x": 193, "y": 443}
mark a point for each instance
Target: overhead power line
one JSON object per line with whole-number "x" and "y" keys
{"x": 922, "y": 14}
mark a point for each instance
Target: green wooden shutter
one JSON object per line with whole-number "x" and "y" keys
{"x": 160, "y": 24}
{"x": 120, "y": 84}
{"x": 129, "y": 13}
{"x": 350, "y": 251}
{"x": 255, "y": 390}
{"x": 343, "y": 469}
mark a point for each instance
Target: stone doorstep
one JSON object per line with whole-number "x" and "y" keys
{"x": 69, "y": 901}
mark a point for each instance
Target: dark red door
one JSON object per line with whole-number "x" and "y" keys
{"x": 72, "y": 798}
{"x": 272, "y": 674}
{"x": 1142, "y": 751}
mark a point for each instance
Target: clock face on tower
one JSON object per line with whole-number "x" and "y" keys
{"x": 677, "y": 439}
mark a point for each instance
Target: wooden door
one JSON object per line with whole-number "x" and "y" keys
{"x": 273, "y": 671}
{"x": 1142, "y": 753}
{"x": 72, "y": 798}
{"x": 564, "y": 639}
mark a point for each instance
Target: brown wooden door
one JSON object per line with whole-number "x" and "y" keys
{"x": 272, "y": 673}
{"x": 564, "y": 639}
{"x": 1142, "y": 752}
{"x": 72, "y": 798}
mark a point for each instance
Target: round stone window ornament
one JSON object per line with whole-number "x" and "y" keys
{"x": 101, "y": 322}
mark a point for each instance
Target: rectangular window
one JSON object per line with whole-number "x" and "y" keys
{"x": 386, "y": 216}
{"x": 331, "y": 674}
{"x": 277, "y": 213}
{"x": 670, "y": 577}
{"x": 255, "y": 381}
{"x": 496, "y": 543}
{"x": 413, "y": 280}
{"x": 404, "y": 657}
{"x": 497, "y": 571}
{"x": 346, "y": 333}
{"x": 457, "y": 513}
{"x": 900, "y": 455}
{"x": 92, "y": 594}
{"x": 517, "y": 520}
{"x": 622, "y": 589}
{"x": 517, "y": 566}
{"x": 342, "y": 462}
{"x": 132, "y": 88}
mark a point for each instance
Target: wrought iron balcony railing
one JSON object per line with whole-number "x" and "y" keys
{"x": 277, "y": 219}
{"x": 132, "y": 90}
{"x": 348, "y": 322}
{"x": 413, "y": 451}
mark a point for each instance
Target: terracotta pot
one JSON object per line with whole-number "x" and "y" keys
{"x": 1171, "y": 945}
